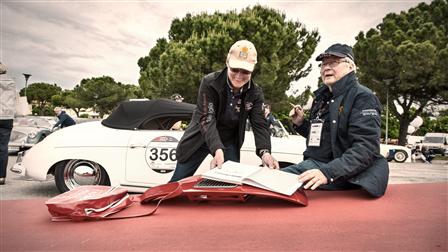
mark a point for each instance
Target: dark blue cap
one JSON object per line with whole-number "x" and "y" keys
{"x": 338, "y": 50}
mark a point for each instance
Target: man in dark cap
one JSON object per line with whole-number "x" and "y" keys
{"x": 342, "y": 131}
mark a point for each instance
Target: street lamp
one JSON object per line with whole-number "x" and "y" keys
{"x": 27, "y": 76}
{"x": 387, "y": 81}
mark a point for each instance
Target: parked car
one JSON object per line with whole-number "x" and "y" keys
{"x": 28, "y": 131}
{"x": 436, "y": 143}
{"x": 395, "y": 153}
{"x": 133, "y": 148}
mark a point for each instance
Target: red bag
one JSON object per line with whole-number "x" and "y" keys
{"x": 99, "y": 202}
{"x": 87, "y": 202}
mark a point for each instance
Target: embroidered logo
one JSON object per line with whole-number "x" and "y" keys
{"x": 369, "y": 112}
{"x": 248, "y": 106}
{"x": 211, "y": 110}
{"x": 243, "y": 53}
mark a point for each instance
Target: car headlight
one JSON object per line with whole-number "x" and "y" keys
{"x": 32, "y": 135}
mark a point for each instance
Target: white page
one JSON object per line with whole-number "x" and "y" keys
{"x": 274, "y": 180}
{"x": 231, "y": 172}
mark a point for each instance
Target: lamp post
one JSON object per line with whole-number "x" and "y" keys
{"x": 387, "y": 81}
{"x": 27, "y": 76}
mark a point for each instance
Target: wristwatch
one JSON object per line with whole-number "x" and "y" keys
{"x": 264, "y": 151}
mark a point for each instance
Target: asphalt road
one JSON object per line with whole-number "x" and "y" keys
{"x": 17, "y": 187}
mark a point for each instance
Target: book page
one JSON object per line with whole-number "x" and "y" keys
{"x": 274, "y": 180}
{"x": 231, "y": 172}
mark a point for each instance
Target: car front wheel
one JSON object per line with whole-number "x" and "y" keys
{"x": 400, "y": 156}
{"x": 78, "y": 172}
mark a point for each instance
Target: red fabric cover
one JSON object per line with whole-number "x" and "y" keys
{"x": 410, "y": 217}
{"x": 187, "y": 188}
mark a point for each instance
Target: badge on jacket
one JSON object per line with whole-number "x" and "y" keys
{"x": 315, "y": 132}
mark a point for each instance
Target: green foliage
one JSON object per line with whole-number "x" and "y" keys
{"x": 407, "y": 56}
{"x": 132, "y": 91}
{"x": 439, "y": 124}
{"x": 47, "y": 110}
{"x": 101, "y": 93}
{"x": 70, "y": 100}
{"x": 393, "y": 125}
{"x": 199, "y": 44}
{"x": 40, "y": 96}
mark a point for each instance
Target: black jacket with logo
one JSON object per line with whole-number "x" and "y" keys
{"x": 211, "y": 103}
{"x": 355, "y": 117}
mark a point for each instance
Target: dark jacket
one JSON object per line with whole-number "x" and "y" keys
{"x": 210, "y": 107}
{"x": 355, "y": 116}
{"x": 64, "y": 120}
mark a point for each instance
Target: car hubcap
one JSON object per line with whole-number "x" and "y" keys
{"x": 81, "y": 172}
{"x": 400, "y": 156}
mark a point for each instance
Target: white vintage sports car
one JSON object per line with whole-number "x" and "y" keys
{"x": 133, "y": 148}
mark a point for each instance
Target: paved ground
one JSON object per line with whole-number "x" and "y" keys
{"x": 18, "y": 188}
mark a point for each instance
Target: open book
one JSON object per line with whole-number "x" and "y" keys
{"x": 262, "y": 177}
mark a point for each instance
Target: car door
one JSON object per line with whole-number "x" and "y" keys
{"x": 151, "y": 157}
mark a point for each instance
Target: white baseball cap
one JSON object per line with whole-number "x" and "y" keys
{"x": 242, "y": 55}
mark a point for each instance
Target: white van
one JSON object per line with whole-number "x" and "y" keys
{"x": 436, "y": 143}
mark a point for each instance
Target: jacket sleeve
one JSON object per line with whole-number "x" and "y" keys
{"x": 259, "y": 125}
{"x": 207, "y": 107}
{"x": 363, "y": 132}
{"x": 61, "y": 119}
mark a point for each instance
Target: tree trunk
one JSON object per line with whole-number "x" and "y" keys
{"x": 404, "y": 124}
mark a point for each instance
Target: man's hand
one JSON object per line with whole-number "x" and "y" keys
{"x": 314, "y": 177}
{"x": 270, "y": 161}
{"x": 296, "y": 115}
{"x": 218, "y": 159}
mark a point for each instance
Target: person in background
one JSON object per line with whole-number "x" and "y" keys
{"x": 178, "y": 124}
{"x": 64, "y": 119}
{"x": 426, "y": 153}
{"x": 7, "y": 110}
{"x": 343, "y": 130}
{"x": 268, "y": 115}
{"x": 226, "y": 99}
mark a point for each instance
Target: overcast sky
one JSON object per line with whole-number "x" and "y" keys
{"x": 64, "y": 42}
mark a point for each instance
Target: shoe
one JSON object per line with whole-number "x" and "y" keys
{"x": 2, "y": 181}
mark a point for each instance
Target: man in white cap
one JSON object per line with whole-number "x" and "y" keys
{"x": 226, "y": 99}
{"x": 7, "y": 110}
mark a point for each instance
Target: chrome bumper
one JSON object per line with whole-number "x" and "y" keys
{"x": 18, "y": 166}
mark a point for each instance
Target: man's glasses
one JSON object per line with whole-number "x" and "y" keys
{"x": 239, "y": 70}
{"x": 332, "y": 64}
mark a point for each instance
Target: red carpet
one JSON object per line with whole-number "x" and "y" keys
{"x": 411, "y": 217}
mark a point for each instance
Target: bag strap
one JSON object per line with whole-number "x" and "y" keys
{"x": 161, "y": 193}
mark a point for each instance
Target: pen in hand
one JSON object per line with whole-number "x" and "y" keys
{"x": 296, "y": 109}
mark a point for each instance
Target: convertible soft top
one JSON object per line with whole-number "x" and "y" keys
{"x": 158, "y": 114}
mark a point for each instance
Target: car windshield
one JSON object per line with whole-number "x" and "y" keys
{"x": 16, "y": 135}
{"x": 433, "y": 140}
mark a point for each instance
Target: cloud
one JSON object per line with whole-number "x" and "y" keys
{"x": 65, "y": 41}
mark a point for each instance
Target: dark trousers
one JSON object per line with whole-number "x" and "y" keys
{"x": 189, "y": 167}
{"x": 5, "y": 133}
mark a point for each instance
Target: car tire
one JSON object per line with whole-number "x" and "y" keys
{"x": 400, "y": 156}
{"x": 76, "y": 172}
